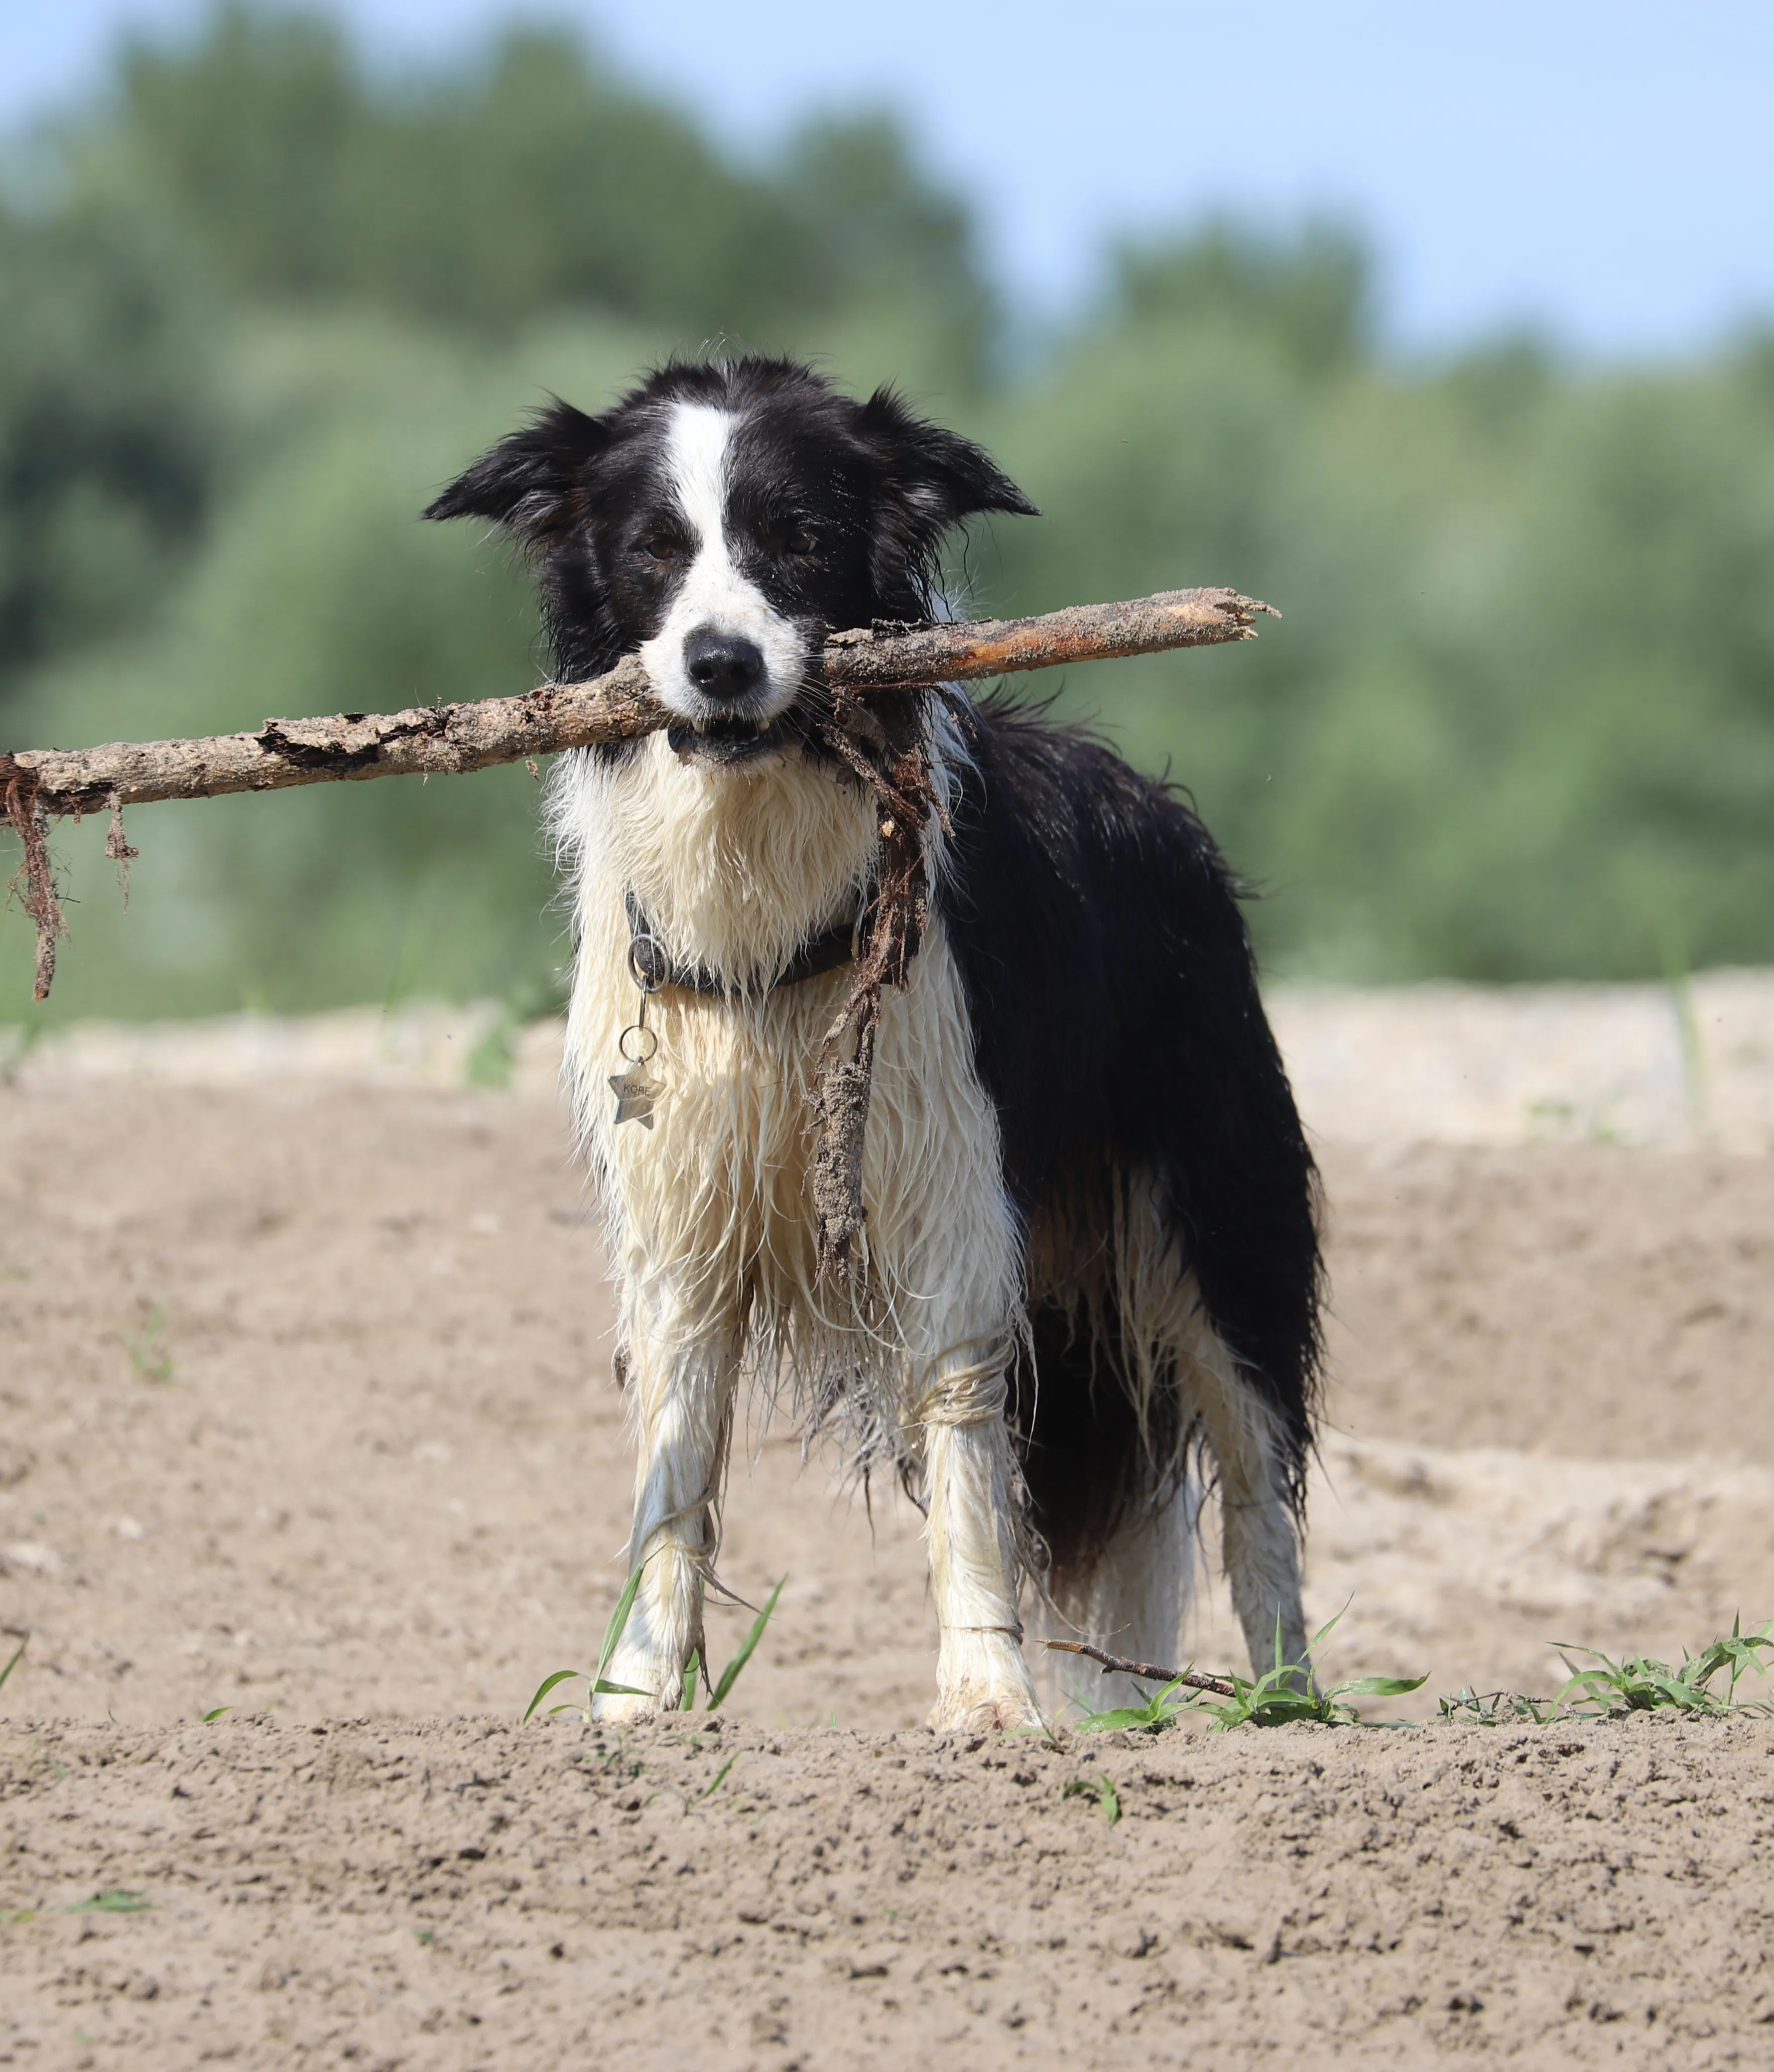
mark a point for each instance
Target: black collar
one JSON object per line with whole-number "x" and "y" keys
{"x": 655, "y": 965}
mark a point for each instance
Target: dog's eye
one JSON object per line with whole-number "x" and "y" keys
{"x": 802, "y": 541}
{"x": 659, "y": 547}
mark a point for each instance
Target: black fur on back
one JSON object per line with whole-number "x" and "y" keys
{"x": 1119, "y": 1031}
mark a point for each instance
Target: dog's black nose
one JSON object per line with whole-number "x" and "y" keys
{"x": 722, "y": 665}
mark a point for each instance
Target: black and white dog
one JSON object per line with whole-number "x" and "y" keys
{"x": 1091, "y": 1279}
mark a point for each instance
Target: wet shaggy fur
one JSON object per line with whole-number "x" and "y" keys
{"x": 1120, "y": 1035}
{"x": 1092, "y": 1276}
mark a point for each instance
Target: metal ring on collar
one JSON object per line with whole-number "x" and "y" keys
{"x": 639, "y": 1057}
{"x": 648, "y": 962}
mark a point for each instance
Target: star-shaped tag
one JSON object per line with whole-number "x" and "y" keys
{"x": 635, "y": 1094}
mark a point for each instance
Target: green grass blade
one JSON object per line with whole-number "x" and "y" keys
{"x": 1119, "y": 1718}
{"x": 604, "y": 1688}
{"x": 1379, "y": 1687}
{"x": 546, "y": 1684}
{"x": 1102, "y": 1790}
{"x": 1159, "y": 1711}
{"x": 118, "y": 1900}
{"x": 1327, "y": 1629}
{"x": 1286, "y": 1706}
{"x": 709, "y": 1790}
{"x": 618, "y": 1620}
{"x": 693, "y": 1672}
{"x": 730, "y": 1675}
{"x": 1567, "y": 1648}
{"x": 18, "y": 1654}
{"x": 216, "y": 1712}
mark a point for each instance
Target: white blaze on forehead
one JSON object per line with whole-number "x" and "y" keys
{"x": 696, "y": 454}
{"x": 715, "y": 594}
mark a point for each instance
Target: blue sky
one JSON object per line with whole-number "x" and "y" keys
{"x": 1602, "y": 171}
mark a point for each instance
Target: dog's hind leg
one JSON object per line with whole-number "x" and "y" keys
{"x": 681, "y": 1383}
{"x": 1179, "y": 1350}
{"x": 1133, "y": 1599}
{"x": 1258, "y": 1531}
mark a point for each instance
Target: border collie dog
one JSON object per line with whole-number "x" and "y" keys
{"x": 1088, "y": 1286}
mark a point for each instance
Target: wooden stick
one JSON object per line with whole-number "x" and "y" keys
{"x": 1150, "y": 1671}
{"x": 433, "y": 740}
{"x": 453, "y": 739}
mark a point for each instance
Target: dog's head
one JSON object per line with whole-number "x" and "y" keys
{"x": 719, "y": 521}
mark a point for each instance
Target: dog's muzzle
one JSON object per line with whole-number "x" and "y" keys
{"x": 728, "y": 673}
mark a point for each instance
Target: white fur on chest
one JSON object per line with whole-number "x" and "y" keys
{"x": 710, "y": 1210}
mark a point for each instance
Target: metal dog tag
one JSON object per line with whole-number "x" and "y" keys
{"x": 635, "y": 1094}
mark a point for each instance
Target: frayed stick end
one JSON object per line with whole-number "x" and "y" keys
{"x": 117, "y": 847}
{"x": 33, "y": 884}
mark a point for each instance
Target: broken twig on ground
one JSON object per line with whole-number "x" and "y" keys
{"x": 1187, "y": 1678}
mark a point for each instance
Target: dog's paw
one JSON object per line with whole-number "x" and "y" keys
{"x": 644, "y": 1679}
{"x": 969, "y": 1709}
{"x": 982, "y": 1684}
{"x": 623, "y": 1710}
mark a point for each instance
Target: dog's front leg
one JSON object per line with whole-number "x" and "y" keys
{"x": 981, "y": 1679}
{"x": 682, "y": 1384}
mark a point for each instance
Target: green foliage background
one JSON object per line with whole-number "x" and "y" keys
{"x": 255, "y": 304}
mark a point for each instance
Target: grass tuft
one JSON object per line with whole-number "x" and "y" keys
{"x": 612, "y": 1635}
{"x": 693, "y": 1669}
{"x": 1638, "y": 1683}
{"x": 1162, "y": 1709}
{"x": 1496, "y": 1708}
{"x": 147, "y": 1356}
{"x": 1285, "y": 1693}
{"x": 1102, "y": 1790}
{"x": 1642, "y": 1684}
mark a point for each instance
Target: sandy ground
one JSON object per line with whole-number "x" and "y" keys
{"x": 1682, "y": 1066}
{"x": 305, "y": 1410}
{"x": 466, "y": 1894}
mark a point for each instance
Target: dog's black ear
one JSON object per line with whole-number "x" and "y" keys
{"x": 944, "y": 477}
{"x": 532, "y": 483}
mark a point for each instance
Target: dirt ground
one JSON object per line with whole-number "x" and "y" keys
{"x": 305, "y": 1411}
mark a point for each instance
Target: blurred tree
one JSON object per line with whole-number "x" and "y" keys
{"x": 1308, "y": 293}
{"x": 240, "y": 139}
{"x": 1519, "y": 719}
{"x": 536, "y": 183}
{"x": 1517, "y": 722}
{"x": 528, "y": 181}
{"x": 320, "y": 591}
{"x": 111, "y": 438}
{"x": 891, "y": 249}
